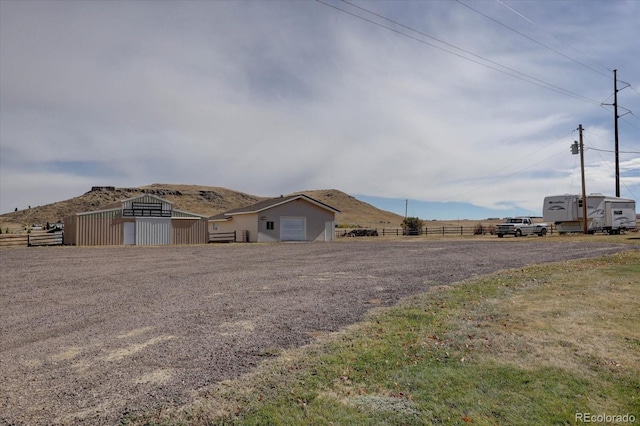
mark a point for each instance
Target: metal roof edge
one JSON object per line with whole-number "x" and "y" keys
{"x": 99, "y": 211}
{"x": 285, "y": 201}
{"x": 146, "y": 194}
{"x": 186, "y": 212}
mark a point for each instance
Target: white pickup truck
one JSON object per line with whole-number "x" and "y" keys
{"x": 520, "y": 226}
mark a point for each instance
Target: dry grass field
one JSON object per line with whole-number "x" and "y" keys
{"x": 544, "y": 344}
{"x": 98, "y": 335}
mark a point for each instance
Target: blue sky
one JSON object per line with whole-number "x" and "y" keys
{"x": 467, "y": 109}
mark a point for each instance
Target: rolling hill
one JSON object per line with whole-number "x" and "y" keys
{"x": 204, "y": 200}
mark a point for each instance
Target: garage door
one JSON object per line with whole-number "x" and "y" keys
{"x": 293, "y": 228}
{"x": 153, "y": 231}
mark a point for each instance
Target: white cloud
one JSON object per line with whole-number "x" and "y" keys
{"x": 273, "y": 97}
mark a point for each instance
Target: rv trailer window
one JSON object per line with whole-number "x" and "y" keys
{"x": 617, "y": 212}
{"x": 579, "y": 203}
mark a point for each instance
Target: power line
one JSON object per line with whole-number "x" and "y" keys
{"x": 534, "y": 40}
{"x": 608, "y": 140}
{"x": 510, "y": 72}
{"x": 499, "y": 178}
{"x": 634, "y": 89}
{"x": 610, "y": 150}
{"x": 622, "y": 118}
{"x": 608, "y": 164}
{"x": 533, "y": 23}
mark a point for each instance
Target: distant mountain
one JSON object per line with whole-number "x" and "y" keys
{"x": 204, "y": 200}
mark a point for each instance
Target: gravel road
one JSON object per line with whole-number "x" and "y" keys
{"x": 90, "y": 334}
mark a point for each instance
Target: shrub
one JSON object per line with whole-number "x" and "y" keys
{"x": 412, "y": 225}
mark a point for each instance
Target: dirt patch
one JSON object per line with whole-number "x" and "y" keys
{"x": 89, "y": 335}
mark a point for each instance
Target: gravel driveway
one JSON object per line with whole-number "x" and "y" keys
{"x": 90, "y": 334}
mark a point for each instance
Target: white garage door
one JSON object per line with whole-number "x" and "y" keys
{"x": 153, "y": 231}
{"x": 293, "y": 228}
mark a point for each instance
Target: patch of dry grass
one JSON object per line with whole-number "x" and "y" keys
{"x": 528, "y": 346}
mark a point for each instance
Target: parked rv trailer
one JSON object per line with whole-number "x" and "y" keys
{"x": 604, "y": 213}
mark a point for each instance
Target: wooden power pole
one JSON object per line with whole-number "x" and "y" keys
{"x": 615, "y": 115}
{"x": 584, "y": 191}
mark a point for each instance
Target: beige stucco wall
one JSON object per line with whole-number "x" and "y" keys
{"x": 256, "y": 224}
{"x": 239, "y": 223}
{"x": 315, "y": 226}
{"x": 246, "y": 222}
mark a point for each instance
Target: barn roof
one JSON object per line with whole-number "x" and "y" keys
{"x": 268, "y": 204}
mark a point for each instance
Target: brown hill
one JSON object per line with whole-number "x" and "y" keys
{"x": 354, "y": 211}
{"x": 204, "y": 200}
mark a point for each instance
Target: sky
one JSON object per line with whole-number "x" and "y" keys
{"x": 467, "y": 109}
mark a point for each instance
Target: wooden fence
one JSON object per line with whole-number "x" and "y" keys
{"x": 31, "y": 240}
{"x": 222, "y": 237}
{"x": 435, "y": 230}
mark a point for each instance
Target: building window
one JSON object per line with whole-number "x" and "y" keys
{"x": 270, "y": 225}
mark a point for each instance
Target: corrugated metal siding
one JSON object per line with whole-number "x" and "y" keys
{"x": 146, "y": 199}
{"x": 106, "y": 227}
{"x": 180, "y": 213}
{"x": 190, "y": 231}
{"x": 153, "y": 231}
{"x": 70, "y": 231}
{"x": 99, "y": 229}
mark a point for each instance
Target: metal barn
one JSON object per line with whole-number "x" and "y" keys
{"x": 143, "y": 220}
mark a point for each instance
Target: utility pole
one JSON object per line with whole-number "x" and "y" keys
{"x": 584, "y": 191}
{"x": 615, "y": 115}
{"x": 575, "y": 149}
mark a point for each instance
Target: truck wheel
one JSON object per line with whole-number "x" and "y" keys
{"x": 518, "y": 233}
{"x": 500, "y": 235}
{"x": 543, "y": 232}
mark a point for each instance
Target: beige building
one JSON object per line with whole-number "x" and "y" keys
{"x": 290, "y": 218}
{"x": 143, "y": 220}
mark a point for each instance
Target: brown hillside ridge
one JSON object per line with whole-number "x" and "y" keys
{"x": 204, "y": 200}
{"x": 353, "y": 211}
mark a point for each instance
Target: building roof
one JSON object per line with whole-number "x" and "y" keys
{"x": 268, "y": 204}
{"x": 144, "y": 194}
{"x": 119, "y": 205}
